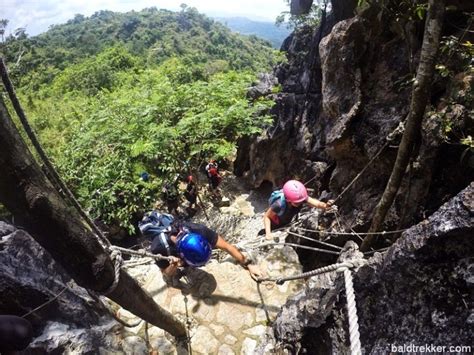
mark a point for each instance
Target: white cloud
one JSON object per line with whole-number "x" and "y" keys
{"x": 37, "y": 16}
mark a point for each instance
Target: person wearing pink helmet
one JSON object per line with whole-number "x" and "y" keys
{"x": 283, "y": 208}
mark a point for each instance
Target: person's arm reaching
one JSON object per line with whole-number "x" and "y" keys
{"x": 267, "y": 222}
{"x": 319, "y": 204}
{"x": 238, "y": 256}
{"x": 172, "y": 268}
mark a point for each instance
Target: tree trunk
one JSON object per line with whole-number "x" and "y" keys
{"x": 27, "y": 193}
{"x": 419, "y": 100}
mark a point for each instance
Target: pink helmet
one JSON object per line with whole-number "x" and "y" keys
{"x": 295, "y": 191}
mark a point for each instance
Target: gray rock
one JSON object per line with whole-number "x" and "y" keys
{"x": 417, "y": 293}
{"x": 135, "y": 346}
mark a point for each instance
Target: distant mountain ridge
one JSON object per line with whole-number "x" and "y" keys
{"x": 152, "y": 35}
{"x": 265, "y": 30}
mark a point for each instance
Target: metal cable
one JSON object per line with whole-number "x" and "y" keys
{"x": 296, "y": 246}
{"x": 315, "y": 240}
{"x": 45, "y": 303}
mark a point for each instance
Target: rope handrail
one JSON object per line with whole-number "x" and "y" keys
{"x": 263, "y": 245}
{"x": 142, "y": 253}
{"x": 351, "y": 233}
{"x": 325, "y": 269}
{"x": 46, "y": 303}
{"x": 315, "y": 240}
{"x": 354, "y": 334}
{"x": 362, "y": 171}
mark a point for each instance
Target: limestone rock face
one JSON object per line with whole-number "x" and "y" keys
{"x": 418, "y": 292}
{"x": 30, "y": 277}
{"x": 345, "y": 88}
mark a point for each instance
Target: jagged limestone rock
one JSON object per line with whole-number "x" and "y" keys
{"x": 417, "y": 292}
{"x": 30, "y": 277}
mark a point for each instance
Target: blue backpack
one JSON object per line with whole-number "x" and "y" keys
{"x": 154, "y": 223}
{"x": 278, "y": 197}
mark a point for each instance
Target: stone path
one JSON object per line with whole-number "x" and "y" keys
{"x": 229, "y": 312}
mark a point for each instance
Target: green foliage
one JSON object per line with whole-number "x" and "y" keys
{"x": 294, "y": 22}
{"x": 156, "y": 35}
{"x": 95, "y": 74}
{"x": 149, "y": 120}
{"x": 114, "y": 95}
{"x": 456, "y": 56}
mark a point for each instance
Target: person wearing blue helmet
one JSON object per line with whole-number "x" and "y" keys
{"x": 190, "y": 245}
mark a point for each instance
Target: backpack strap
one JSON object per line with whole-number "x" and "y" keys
{"x": 164, "y": 241}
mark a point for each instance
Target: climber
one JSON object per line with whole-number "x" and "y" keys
{"x": 144, "y": 176}
{"x": 191, "y": 191}
{"x": 190, "y": 245}
{"x": 213, "y": 177}
{"x": 15, "y": 334}
{"x": 287, "y": 203}
{"x": 171, "y": 196}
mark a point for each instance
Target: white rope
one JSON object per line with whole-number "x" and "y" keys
{"x": 116, "y": 257}
{"x": 142, "y": 253}
{"x": 352, "y": 314}
{"x": 333, "y": 267}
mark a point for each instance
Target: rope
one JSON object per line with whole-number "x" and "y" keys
{"x": 361, "y": 172}
{"x": 352, "y": 314}
{"x": 97, "y": 299}
{"x": 351, "y": 233}
{"x": 322, "y": 270}
{"x": 140, "y": 253}
{"x": 46, "y": 303}
{"x": 314, "y": 240}
{"x": 36, "y": 144}
{"x": 296, "y": 246}
{"x": 188, "y": 326}
{"x": 117, "y": 259}
{"x": 134, "y": 263}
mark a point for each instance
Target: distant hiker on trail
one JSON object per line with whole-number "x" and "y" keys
{"x": 191, "y": 191}
{"x": 287, "y": 203}
{"x": 144, "y": 176}
{"x": 190, "y": 245}
{"x": 171, "y": 196}
{"x": 213, "y": 177}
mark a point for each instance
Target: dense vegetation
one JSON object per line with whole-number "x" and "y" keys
{"x": 116, "y": 94}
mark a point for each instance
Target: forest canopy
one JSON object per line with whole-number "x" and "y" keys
{"x": 116, "y": 94}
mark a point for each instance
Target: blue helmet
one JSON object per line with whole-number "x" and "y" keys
{"x": 194, "y": 249}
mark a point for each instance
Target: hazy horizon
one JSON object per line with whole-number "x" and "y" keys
{"x": 37, "y": 16}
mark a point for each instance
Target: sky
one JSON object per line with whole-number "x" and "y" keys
{"x": 37, "y": 15}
